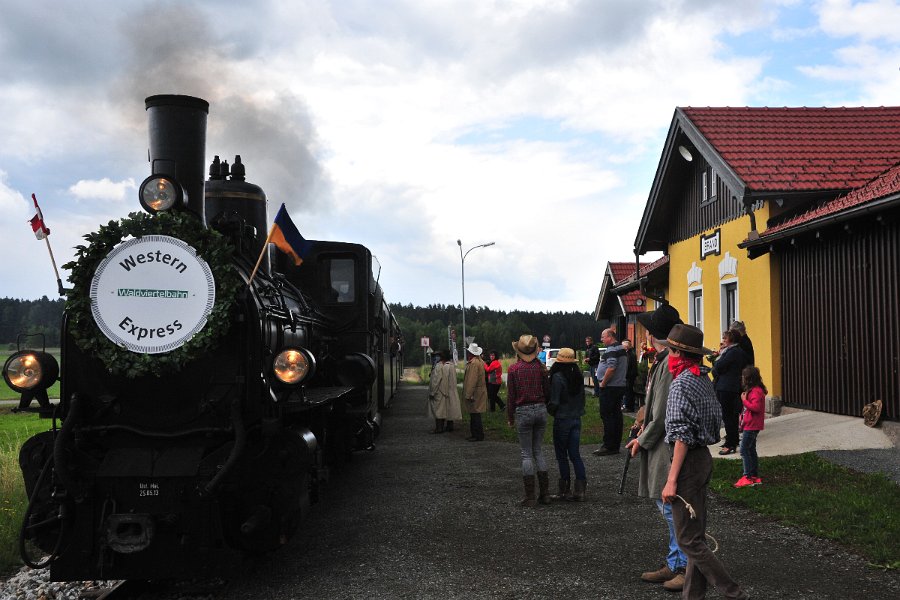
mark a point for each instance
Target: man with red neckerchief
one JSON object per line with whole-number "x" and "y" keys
{"x": 693, "y": 416}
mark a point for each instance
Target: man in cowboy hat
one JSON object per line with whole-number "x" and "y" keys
{"x": 528, "y": 388}
{"x": 475, "y": 391}
{"x": 655, "y": 458}
{"x": 693, "y": 416}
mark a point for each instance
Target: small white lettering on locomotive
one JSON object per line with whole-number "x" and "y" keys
{"x": 148, "y": 489}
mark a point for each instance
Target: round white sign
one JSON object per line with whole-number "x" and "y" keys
{"x": 152, "y": 294}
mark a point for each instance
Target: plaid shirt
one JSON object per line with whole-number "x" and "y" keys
{"x": 693, "y": 413}
{"x": 526, "y": 383}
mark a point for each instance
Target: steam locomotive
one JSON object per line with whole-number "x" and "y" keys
{"x": 202, "y": 400}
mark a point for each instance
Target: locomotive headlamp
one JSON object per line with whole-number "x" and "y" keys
{"x": 30, "y": 370}
{"x": 159, "y": 193}
{"x": 292, "y": 365}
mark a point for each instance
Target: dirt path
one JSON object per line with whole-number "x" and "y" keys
{"x": 434, "y": 516}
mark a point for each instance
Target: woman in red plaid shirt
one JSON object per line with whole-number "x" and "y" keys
{"x": 528, "y": 388}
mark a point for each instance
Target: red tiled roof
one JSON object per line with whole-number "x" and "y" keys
{"x": 644, "y": 270}
{"x": 802, "y": 149}
{"x": 884, "y": 185}
{"x": 624, "y": 270}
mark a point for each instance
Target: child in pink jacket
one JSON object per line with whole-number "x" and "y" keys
{"x": 752, "y": 422}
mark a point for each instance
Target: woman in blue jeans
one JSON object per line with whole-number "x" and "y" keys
{"x": 527, "y": 389}
{"x": 567, "y": 406}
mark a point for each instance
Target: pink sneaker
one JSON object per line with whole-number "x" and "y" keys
{"x": 744, "y": 482}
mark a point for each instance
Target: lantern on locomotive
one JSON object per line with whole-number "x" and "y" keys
{"x": 200, "y": 407}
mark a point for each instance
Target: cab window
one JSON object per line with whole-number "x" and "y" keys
{"x": 341, "y": 284}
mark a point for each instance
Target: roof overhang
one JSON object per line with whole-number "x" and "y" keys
{"x": 654, "y": 275}
{"x": 767, "y": 242}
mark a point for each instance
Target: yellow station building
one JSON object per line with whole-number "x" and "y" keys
{"x": 728, "y": 179}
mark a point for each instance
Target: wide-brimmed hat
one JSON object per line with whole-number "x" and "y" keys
{"x": 686, "y": 338}
{"x": 872, "y": 413}
{"x": 660, "y": 322}
{"x": 565, "y": 355}
{"x": 474, "y": 349}
{"x": 527, "y": 347}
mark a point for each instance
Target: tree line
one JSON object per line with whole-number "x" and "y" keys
{"x": 492, "y": 329}
{"x": 42, "y": 316}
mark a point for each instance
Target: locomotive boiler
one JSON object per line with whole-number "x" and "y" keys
{"x": 200, "y": 409}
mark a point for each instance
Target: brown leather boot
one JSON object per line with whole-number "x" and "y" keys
{"x": 676, "y": 584}
{"x": 564, "y": 485}
{"x": 544, "y": 485}
{"x": 528, "y": 480}
{"x": 580, "y": 485}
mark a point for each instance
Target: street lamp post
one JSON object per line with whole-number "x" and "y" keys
{"x": 462, "y": 260}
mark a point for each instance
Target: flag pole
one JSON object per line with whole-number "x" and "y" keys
{"x": 40, "y": 216}
{"x": 59, "y": 285}
{"x": 261, "y": 254}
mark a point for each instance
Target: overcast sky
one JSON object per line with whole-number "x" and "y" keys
{"x": 405, "y": 125}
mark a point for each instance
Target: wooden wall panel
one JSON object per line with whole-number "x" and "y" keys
{"x": 841, "y": 328}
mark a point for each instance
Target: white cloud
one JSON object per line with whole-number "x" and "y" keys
{"x": 866, "y": 20}
{"x": 12, "y": 202}
{"x": 407, "y": 124}
{"x": 104, "y": 189}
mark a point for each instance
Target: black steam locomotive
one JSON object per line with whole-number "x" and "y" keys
{"x": 200, "y": 407}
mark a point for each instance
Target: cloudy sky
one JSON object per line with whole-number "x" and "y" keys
{"x": 405, "y": 125}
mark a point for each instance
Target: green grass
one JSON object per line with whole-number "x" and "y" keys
{"x": 860, "y": 511}
{"x": 14, "y": 430}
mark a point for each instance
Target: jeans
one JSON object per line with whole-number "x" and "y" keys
{"x": 611, "y": 413}
{"x": 748, "y": 453}
{"x": 531, "y": 421}
{"x": 567, "y": 444}
{"x": 676, "y": 558}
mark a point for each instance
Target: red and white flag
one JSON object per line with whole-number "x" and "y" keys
{"x": 37, "y": 222}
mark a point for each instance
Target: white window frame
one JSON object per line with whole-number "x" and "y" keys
{"x": 723, "y": 313}
{"x": 693, "y": 293}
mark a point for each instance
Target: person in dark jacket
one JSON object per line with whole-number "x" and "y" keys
{"x": 727, "y": 373}
{"x": 744, "y": 340}
{"x": 567, "y": 407}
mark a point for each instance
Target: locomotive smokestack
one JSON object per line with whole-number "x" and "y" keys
{"x": 178, "y": 143}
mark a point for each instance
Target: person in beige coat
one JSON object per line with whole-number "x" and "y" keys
{"x": 475, "y": 391}
{"x": 443, "y": 394}
{"x": 654, "y": 452}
